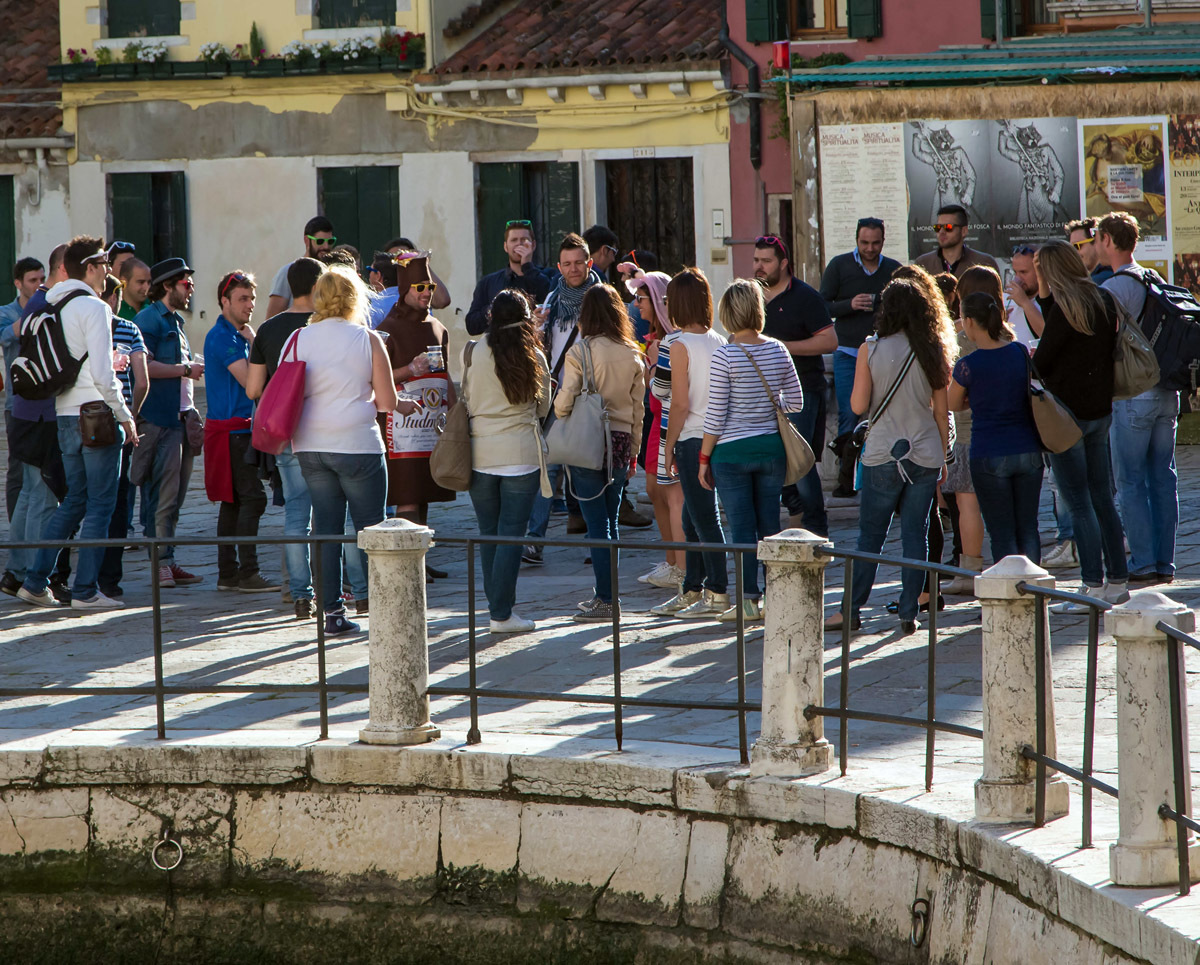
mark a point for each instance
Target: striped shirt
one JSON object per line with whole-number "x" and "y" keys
{"x": 129, "y": 336}
{"x": 738, "y": 407}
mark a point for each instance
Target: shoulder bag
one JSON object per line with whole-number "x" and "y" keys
{"x": 1056, "y": 426}
{"x": 584, "y": 438}
{"x": 450, "y": 461}
{"x": 800, "y": 457}
{"x": 278, "y": 411}
{"x": 1135, "y": 366}
{"x": 851, "y": 444}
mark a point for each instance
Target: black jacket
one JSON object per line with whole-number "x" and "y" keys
{"x": 534, "y": 282}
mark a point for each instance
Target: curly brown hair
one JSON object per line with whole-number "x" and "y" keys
{"x": 912, "y": 304}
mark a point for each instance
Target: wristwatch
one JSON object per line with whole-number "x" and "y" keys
{"x": 187, "y": 370}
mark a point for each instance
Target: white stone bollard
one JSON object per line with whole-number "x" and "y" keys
{"x": 1006, "y": 792}
{"x": 793, "y": 657}
{"x": 399, "y": 650}
{"x": 1146, "y": 852}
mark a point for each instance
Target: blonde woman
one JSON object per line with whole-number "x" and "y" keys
{"x": 1075, "y": 361}
{"x": 337, "y": 442}
{"x": 742, "y": 451}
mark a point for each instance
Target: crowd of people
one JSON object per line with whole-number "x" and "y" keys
{"x": 935, "y": 359}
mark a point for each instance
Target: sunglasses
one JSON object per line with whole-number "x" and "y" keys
{"x": 521, "y": 223}
{"x": 948, "y": 226}
{"x": 764, "y": 240}
{"x": 870, "y": 222}
{"x": 612, "y": 249}
{"x": 238, "y": 277}
{"x": 322, "y": 241}
{"x": 120, "y": 246}
{"x": 1024, "y": 250}
{"x": 422, "y": 287}
{"x": 1083, "y": 241}
{"x": 99, "y": 258}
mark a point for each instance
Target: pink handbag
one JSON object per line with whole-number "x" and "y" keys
{"x": 278, "y": 410}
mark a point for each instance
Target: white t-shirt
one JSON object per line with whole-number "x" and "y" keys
{"x": 339, "y": 402}
{"x": 701, "y": 347}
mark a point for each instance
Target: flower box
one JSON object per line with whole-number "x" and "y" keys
{"x": 269, "y": 67}
{"x": 239, "y": 68}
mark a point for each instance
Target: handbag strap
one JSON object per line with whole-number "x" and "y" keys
{"x": 762, "y": 378}
{"x": 291, "y": 347}
{"x": 895, "y": 385}
{"x": 467, "y": 350}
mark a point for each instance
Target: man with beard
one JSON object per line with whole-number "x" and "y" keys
{"x": 413, "y": 335}
{"x": 1023, "y": 313}
{"x": 164, "y": 413}
{"x": 1082, "y": 234}
{"x": 850, "y": 286}
{"x": 798, "y": 317}
{"x": 318, "y": 238}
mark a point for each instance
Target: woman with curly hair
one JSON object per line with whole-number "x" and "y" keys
{"x": 905, "y": 452}
{"x": 507, "y": 384}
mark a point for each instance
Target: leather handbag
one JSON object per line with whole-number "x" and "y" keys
{"x": 1056, "y": 426}
{"x": 278, "y": 411}
{"x": 800, "y": 457}
{"x": 97, "y": 425}
{"x": 1135, "y": 366}
{"x": 583, "y": 438}
{"x": 450, "y": 462}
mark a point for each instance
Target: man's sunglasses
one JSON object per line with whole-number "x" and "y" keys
{"x": 522, "y": 223}
{"x": 1024, "y": 250}
{"x": 1081, "y": 242}
{"x": 237, "y": 277}
{"x": 422, "y": 287}
{"x": 764, "y": 240}
{"x": 322, "y": 241}
{"x": 948, "y": 226}
{"x": 120, "y": 246}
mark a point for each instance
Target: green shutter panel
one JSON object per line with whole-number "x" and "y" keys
{"x": 987, "y": 18}
{"x": 338, "y": 201}
{"x": 864, "y": 18}
{"x": 8, "y": 239}
{"x": 562, "y": 203}
{"x": 766, "y": 21}
{"x": 378, "y": 210}
{"x": 499, "y": 197}
{"x": 174, "y": 228}
{"x": 131, "y": 199}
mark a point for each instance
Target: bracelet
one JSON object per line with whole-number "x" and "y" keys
{"x": 705, "y": 460}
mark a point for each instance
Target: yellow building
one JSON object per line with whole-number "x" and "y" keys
{"x": 394, "y": 117}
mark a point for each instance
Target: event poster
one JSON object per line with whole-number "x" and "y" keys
{"x": 1123, "y": 167}
{"x": 862, "y": 176}
{"x": 1183, "y": 141}
{"x": 1012, "y": 176}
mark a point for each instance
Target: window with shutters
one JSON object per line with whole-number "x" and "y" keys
{"x": 356, "y": 13}
{"x": 543, "y": 192}
{"x": 8, "y": 239}
{"x": 364, "y": 205}
{"x": 819, "y": 16}
{"x": 150, "y": 210}
{"x": 143, "y": 18}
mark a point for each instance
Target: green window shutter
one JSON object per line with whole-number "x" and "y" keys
{"x": 562, "y": 205}
{"x": 356, "y": 13}
{"x": 987, "y": 18}
{"x": 8, "y": 239}
{"x": 337, "y": 200}
{"x": 378, "y": 211}
{"x": 143, "y": 18}
{"x": 499, "y": 198}
{"x": 864, "y": 18}
{"x": 766, "y": 21}
{"x": 131, "y": 211}
{"x": 170, "y": 215}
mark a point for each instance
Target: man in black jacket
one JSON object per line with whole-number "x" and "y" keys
{"x": 521, "y": 272}
{"x": 851, "y": 286}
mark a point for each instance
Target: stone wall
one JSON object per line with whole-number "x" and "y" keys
{"x": 426, "y": 854}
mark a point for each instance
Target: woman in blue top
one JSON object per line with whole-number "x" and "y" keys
{"x": 1006, "y": 452}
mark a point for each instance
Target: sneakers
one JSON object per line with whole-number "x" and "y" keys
{"x": 97, "y": 602}
{"x": 514, "y": 624}
{"x": 576, "y": 524}
{"x": 183, "y": 577}
{"x": 597, "y": 611}
{"x": 678, "y": 602}
{"x": 228, "y": 583}
{"x": 708, "y": 607}
{"x": 532, "y": 555}
{"x": 9, "y": 584}
{"x": 336, "y": 624}
{"x": 1116, "y": 593}
{"x": 305, "y": 609}
{"x": 255, "y": 584}
{"x": 60, "y": 592}
{"x": 633, "y": 519}
{"x": 752, "y": 612}
{"x": 664, "y": 575}
{"x": 45, "y": 598}
{"x": 1070, "y": 607}
{"x": 1061, "y": 556}
{"x": 165, "y": 577}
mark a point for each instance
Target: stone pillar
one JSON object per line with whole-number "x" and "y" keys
{"x": 793, "y": 657}
{"x": 399, "y": 651}
{"x": 1146, "y": 852}
{"x": 1005, "y": 793}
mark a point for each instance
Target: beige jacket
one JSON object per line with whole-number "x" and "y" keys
{"x": 620, "y": 376}
{"x": 502, "y": 434}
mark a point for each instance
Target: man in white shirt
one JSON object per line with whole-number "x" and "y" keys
{"x": 93, "y": 473}
{"x": 1023, "y": 313}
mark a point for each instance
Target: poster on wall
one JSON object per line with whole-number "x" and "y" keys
{"x": 1123, "y": 167}
{"x": 947, "y": 162}
{"x": 862, "y": 176}
{"x": 1183, "y": 139}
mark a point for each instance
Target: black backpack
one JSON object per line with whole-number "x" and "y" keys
{"x": 1170, "y": 320}
{"x": 44, "y": 367}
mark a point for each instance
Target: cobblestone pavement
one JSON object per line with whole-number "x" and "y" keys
{"x": 227, "y": 638}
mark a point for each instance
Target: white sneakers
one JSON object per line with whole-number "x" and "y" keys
{"x": 709, "y": 607}
{"x": 514, "y": 624}
{"x": 97, "y": 602}
{"x": 752, "y": 612}
{"x": 45, "y": 598}
{"x": 1114, "y": 593}
{"x": 664, "y": 575}
{"x": 678, "y": 602}
{"x": 1061, "y": 557}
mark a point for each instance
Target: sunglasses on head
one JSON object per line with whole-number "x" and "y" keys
{"x": 1024, "y": 249}
{"x": 236, "y": 276}
{"x": 947, "y": 226}
{"x": 120, "y": 246}
{"x": 519, "y": 223}
{"x": 763, "y": 240}
{"x": 422, "y": 287}
{"x": 322, "y": 241}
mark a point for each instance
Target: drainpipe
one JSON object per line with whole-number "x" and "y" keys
{"x": 753, "y": 88}
{"x": 1148, "y": 11}
{"x": 999, "y": 23}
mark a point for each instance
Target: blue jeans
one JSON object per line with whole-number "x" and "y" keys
{"x": 297, "y": 521}
{"x": 805, "y": 497}
{"x": 884, "y": 494}
{"x": 1082, "y": 473}
{"x": 701, "y": 523}
{"x": 92, "y": 478}
{"x": 167, "y": 486}
{"x": 1143, "y": 455}
{"x": 502, "y": 505}
{"x": 600, "y": 511}
{"x": 539, "y": 513}
{"x": 112, "y": 568}
{"x": 1009, "y": 489}
{"x": 1065, "y": 529}
{"x": 843, "y": 385}
{"x": 337, "y": 480}
{"x": 354, "y": 563}
{"x": 749, "y": 492}
{"x": 32, "y": 511}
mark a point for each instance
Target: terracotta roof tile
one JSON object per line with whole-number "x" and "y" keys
{"x": 551, "y": 34}
{"x": 29, "y": 41}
